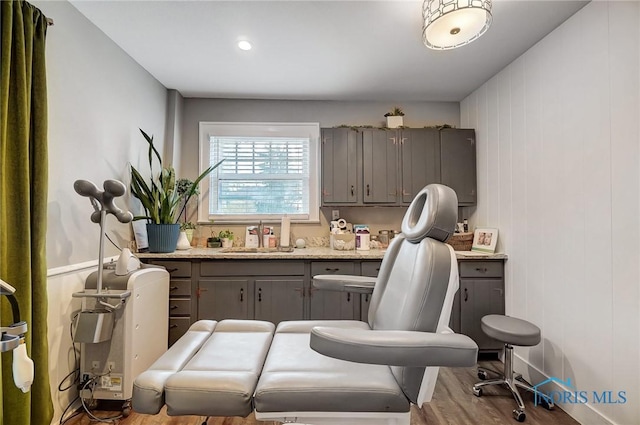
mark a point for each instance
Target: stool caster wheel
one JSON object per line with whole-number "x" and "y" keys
{"x": 477, "y": 391}
{"x": 545, "y": 403}
{"x": 482, "y": 375}
{"x": 519, "y": 415}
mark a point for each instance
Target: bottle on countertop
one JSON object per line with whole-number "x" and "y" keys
{"x": 466, "y": 225}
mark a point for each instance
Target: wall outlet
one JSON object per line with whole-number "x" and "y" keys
{"x": 111, "y": 366}
{"x": 95, "y": 365}
{"x": 335, "y": 214}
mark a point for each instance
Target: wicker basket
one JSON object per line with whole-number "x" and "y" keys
{"x": 461, "y": 241}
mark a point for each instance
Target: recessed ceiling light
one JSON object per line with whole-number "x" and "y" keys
{"x": 244, "y": 45}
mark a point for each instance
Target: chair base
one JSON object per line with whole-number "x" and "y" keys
{"x": 513, "y": 382}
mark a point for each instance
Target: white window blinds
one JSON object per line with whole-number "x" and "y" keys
{"x": 269, "y": 170}
{"x": 260, "y": 175}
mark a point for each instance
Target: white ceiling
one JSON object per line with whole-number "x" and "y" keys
{"x": 321, "y": 50}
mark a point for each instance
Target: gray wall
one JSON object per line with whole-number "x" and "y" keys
{"x": 328, "y": 114}
{"x": 98, "y": 98}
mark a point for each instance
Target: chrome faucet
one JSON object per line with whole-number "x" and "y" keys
{"x": 260, "y": 235}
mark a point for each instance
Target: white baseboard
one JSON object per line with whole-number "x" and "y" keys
{"x": 585, "y": 413}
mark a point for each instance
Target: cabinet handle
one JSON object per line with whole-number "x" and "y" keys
{"x": 368, "y": 192}
{"x": 405, "y": 193}
{"x": 173, "y": 326}
{"x": 172, "y": 270}
{"x": 466, "y": 294}
{"x": 300, "y": 290}
{"x": 311, "y": 291}
{"x": 481, "y": 269}
{"x": 393, "y": 139}
{"x": 348, "y": 297}
{"x": 352, "y": 190}
{"x": 404, "y": 139}
{"x": 173, "y": 288}
{"x": 241, "y": 294}
{"x": 328, "y": 269}
{"x": 366, "y": 298}
{"x": 259, "y": 295}
{"x": 173, "y": 307}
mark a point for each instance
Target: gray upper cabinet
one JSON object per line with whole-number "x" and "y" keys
{"x": 388, "y": 167}
{"x": 380, "y": 153}
{"x": 458, "y": 163}
{"x": 340, "y": 166}
{"x": 420, "y": 160}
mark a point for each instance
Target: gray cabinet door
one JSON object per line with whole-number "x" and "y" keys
{"x": 479, "y": 297}
{"x": 420, "y": 160}
{"x": 279, "y": 299}
{"x": 332, "y": 305}
{"x": 223, "y": 298}
{"x": 458, "y": 163}
{"x": 340, "y": 161}
{"x": 380, "y": 166}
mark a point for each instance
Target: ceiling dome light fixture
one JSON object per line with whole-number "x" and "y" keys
{"x": 453, "y": 23}
{"x": 244, "y": 45}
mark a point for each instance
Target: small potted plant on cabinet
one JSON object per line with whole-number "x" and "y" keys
{"x": 213, "y": 241}
{"x": 226, "y": 238}
{"x": 394, "y": 117}
{"x": 188, "y": 228}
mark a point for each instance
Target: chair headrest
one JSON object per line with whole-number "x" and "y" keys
{"x": 432, "y": 214}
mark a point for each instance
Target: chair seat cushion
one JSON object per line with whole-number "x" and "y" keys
{"x": 297, "y": 379}
{"x": 511, "y": 330}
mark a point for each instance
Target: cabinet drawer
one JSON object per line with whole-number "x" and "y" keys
{"x": 179, "y": 307}
{"x": 181, "y": 287}
{"x": 480, "y": 268}
{"x": 371, "y": 268}
{"x": 175, "y": 268}
{"x": 178, "y": 326}
{"x": 252, "y": 268}
{"x": 331, "y": 267}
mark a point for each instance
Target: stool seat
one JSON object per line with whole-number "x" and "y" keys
{"x": 511, "y": 330}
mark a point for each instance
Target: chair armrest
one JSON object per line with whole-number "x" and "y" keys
{"x": 395, "y": 348}
{"x": 344, "y": 283}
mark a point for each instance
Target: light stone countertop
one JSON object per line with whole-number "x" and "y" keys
{"x": 315, "y": 253}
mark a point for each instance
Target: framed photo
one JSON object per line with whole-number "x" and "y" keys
{"x": 485, "y": 240}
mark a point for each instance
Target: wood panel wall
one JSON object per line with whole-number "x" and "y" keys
{"x": 559, "y": 175}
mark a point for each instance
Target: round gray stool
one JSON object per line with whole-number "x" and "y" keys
{"x": 512, "y": 332}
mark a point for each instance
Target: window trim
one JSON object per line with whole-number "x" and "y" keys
{"x": 208, "y": 128}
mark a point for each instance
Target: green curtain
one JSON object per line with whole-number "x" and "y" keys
{"x": 23, "y": 202}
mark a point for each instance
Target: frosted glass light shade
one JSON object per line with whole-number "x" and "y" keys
{"x": 452, "y": 23}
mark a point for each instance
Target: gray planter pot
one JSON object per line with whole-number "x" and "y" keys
{"x": 162, "y": 237}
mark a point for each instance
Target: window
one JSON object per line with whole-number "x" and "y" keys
{"x": 269, "y": 170}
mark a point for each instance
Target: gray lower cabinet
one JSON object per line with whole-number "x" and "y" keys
{"x": 223, "y": 298}
{"x": 278, "y": 299}
{"x": 332, "y": 305}
{"x": 481, "y": 293}
{"x": 245, "y": 289}
{"x": 181, "y": 304}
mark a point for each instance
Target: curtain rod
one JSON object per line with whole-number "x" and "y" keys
{"x": 50, "y": 22}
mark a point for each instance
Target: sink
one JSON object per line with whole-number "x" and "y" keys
{"x": 255, "y": 250}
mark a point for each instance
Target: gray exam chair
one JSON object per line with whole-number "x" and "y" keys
{"x": 321, "y": 372}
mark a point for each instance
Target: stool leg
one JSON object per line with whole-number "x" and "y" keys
{"x": 539, "y": 397}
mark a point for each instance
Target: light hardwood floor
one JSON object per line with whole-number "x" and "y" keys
{"x": 453, "y": 403}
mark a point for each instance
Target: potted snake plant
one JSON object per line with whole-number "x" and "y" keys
{"x": 161, "y": 201}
